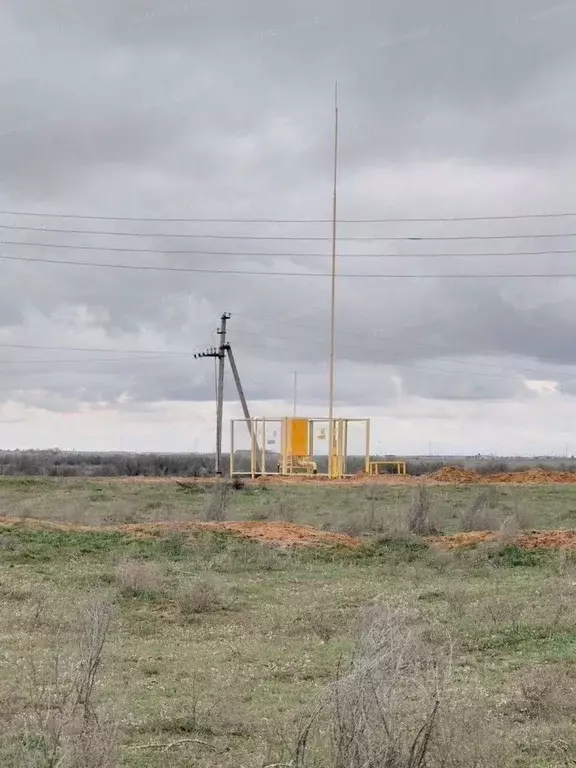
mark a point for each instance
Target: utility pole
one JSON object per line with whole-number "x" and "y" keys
{"x": 220, "y": 353}
{"x": 295, "y": 393}
{"x": 220, "y": 396}
{"x": 331, "y": 434}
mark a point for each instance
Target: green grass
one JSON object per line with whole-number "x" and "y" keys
{"x": 358, "y": 508}
{"x": 237, "y": 668}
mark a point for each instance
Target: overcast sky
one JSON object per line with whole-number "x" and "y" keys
{"x": 139, "y": 112}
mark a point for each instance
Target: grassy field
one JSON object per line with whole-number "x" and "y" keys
{"x": 369, "y": 509}
{"x": 218, "y": 649}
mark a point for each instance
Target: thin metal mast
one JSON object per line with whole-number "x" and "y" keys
{"x": 332, "y": 470}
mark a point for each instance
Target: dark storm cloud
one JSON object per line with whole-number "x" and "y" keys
{"x": 224, "y": 109}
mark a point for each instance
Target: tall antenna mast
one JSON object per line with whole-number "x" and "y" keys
{"x": 332, "y": 453}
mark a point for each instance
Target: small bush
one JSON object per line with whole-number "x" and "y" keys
{"x": 284, "y": 511}
{"x": 216, "y": 508}
{"x": 419, "y": 514}
{"x": 508, "y": 533}
{"x": 513, "y": 556}
{"x": 546, "y": 692}
{"x": 63, "y": 724}
{"x": 139, "y": 578}
{"x": 370, "y": 716}
{"x": 190, "y": 486}
{"x": 237, "y": 556}
{"x": 200, "y": 596}
{"x": 479, "y": 516}
{"x": 260, "y": 515}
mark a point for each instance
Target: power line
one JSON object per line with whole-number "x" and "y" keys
{"x": 145, "y": 359}
{"x": 160, "y": 352}
{"x": 484, "y": 374}
{"x": 262, "y": 273}
{"x": 372, "y": 350}
{"x": 291, "y": 238}
{"x": 392, "y": 364}
{"x": 375, "y": 336}
{"x": 283, "y": 254}
{"x": 197, "y": 220}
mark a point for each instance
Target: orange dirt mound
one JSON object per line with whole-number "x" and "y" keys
{"x": 290, "y": 535}
{"x": 536, "y": 476}
{"x": 280, "y": 534}
{"x": 532, "y": 540}
{"x": 455, "y": 475}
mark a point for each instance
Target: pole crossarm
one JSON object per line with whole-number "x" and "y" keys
{"x": 210, "y": 352}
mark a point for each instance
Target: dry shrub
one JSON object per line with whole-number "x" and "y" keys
{"x": 284, "y": 511}
{"x": 200, "y": 596}
{"x": 480, "y": 514}
{"x": 393, "y": 705}
{"x": 63, "y": 725}
{"x": 395, "y": 527}
{"x": 216, "y": 507}
{"x": 372, "y": 517}
{"x": 383, "y": 710}
{"x": 458, "y": 600}
{"x": 540, "y": 692}
{"x": 526, "y": 518}
{"x": 260, "y": 515}
{"x": 419, "y": 521}
{"x": 465, "y": 737}
{"x": 351, "y": 526}
{"x": 241, "y": 556}
{"x": 140, "y": 578}
{"x": 509, "y": 531}
{"x": 316, "y": 620}
{"x": 547, "y": 692}
{"x": 505, "y": 611}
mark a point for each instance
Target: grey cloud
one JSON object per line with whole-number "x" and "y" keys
{"x": 224, "y": 109}
{"x": 439, "y": 384}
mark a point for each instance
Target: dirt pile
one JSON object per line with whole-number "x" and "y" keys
{"x": 290, "y": 535}
{"x": 277, "y": 533}
{"x": 455, "y": 475}
{"x": 285, "y": 535}
{"x": 536, "y": 476}
{"x": 532, "y": 540}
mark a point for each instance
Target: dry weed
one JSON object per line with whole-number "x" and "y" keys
{"x": 509, "y": 532}
{"x": 140, "y": 578}
{"x": 394, "y": 705}
{"x": 216, "y": 506}
{"x": 63, "y": 725}
{"x": 480, "y": 514}
{"x": 200, "y": 596}
{"x": 419, "y": 521}
{"x": 546, "y": 692}
{"x": 504, "y": 611}
{"x": 458, "y": 600}
{"x": 383, "y": 710}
